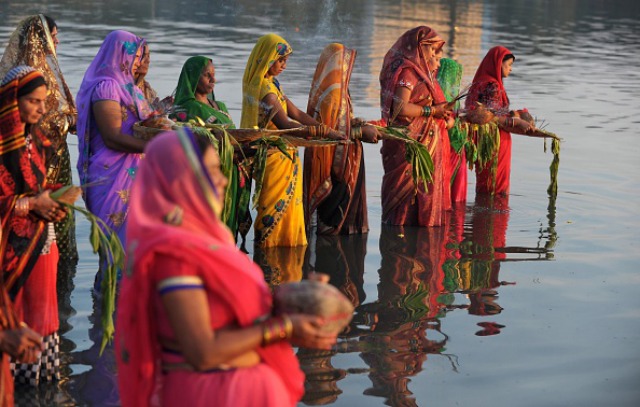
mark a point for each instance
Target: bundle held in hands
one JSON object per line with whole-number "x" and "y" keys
{"x": 314, "y": 298}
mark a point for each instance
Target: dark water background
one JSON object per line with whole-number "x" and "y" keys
{"x": 537, "y": 304}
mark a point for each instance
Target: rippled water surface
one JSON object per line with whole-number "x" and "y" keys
{"x": 533, "y": 305}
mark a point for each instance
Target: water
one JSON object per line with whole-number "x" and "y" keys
{"x": 557, "y": 302}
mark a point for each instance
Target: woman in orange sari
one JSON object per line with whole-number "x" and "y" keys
{"x": 194, "y": 323}
{"x": 334, "y": 181}
{"x": 410, "y": 96}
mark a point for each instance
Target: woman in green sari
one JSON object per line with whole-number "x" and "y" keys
{"x": 195, "y": 100}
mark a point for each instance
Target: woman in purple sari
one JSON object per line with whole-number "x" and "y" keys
{"x": 109, "y": 104}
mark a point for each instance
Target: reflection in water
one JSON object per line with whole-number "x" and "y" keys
{"x": 97, "y": 386}
{"x": 280, "y": 264}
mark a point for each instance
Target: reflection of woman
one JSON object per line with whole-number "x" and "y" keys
{"x": 334, "y": 182}
{"x": 109, "y": 104}
{"x": 410, "y": 96}
{"x": 34, "y": 44}
{"x": 194, "y": 98}
{"x": 487, "y": 88}
{"x": 449, "y": 77}
{"x": 28, "y": 250}
{"x": 193, "y": 307}
{"x": 280, "y": 218}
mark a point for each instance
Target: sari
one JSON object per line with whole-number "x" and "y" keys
{"x": 280, "y": 217}
{"x": 187, "y": 107}
{"x": 449, "y": 77}
{"x": 403, "y": 202}
{"x": 174, "y": 217}
{"x": 334, "y": 177}
{"x": 109, "y": 173}
{"x": 487, "y": 88}
{"x": 28, "y": 253}
{"x": 31, "y": 44}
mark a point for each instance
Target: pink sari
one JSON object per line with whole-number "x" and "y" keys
{"x": 172, "y": 214}
{"x": 402, "y": 203}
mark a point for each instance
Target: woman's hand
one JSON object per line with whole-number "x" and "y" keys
{"x": 335, "y": 135}
{"x": 370, "y": 134}
{"x": 441, "y": 111}
{"x": 47, "y": 208}
{"x": 522, "y": 126}
{"x": 21, "y": 343}
{"x": 307, "y": 332}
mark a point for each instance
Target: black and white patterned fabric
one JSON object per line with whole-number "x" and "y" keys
{"x": 47, "y": 369}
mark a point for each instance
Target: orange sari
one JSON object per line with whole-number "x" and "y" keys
{"x": 334, "y": 182}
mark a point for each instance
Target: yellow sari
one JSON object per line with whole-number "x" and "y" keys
{"x": 280, "y": 219}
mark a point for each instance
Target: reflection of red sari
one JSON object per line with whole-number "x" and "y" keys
{"x": 487, "y": 88}
{"x": 404, "y": 66}
{"x": 172, "y": 218}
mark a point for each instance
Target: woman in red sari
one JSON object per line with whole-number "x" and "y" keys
{"x": 410, "y": 96}
{"x": 194, "y": 324}
{"x": 28, "y": 250}
{"x": 487, "y": 88}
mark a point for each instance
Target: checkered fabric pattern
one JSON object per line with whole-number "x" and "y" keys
{"x": 46, "y": 369}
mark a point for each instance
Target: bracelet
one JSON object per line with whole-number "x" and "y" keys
{"x": 312, "y": 132}
{"x": 22, "y": 206}
{"x": 276, "y": 329}
{"x": 356, "y": 133}
{"x": 427, "y": 111}
{"x": 322, "y": 131}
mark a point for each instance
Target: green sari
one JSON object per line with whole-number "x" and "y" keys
{"x": 186, "y": 107}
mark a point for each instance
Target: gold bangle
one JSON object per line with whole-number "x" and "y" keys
{"x": 356, "y": 133}
{"x": 22, "y": 206}
{"x": 288, "y": 327}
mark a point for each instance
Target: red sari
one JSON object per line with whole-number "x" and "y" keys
{"x": 402, "y": 202}
{"x": 173, "y": 226}
{"x": 487, "y": 88}
{"x": 22, "y": 173}
{"x": 334, "y": 177}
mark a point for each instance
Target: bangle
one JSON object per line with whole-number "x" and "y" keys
{"x": 312, "y": 131}
{"x": 356, "y": 133}
{"x": 276, "y": 329}
{"x": 22, "y": 206}
{"x": 426, "y": 111}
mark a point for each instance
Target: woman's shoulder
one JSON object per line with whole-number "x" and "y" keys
{"x": 106, "y": 89}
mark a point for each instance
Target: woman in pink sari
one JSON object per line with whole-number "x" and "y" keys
{"x": 410, "y": 96}
{"x": 194, "y": 324}
{"x": 487, "y": 88}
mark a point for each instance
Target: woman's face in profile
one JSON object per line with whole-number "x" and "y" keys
{"x": 507, "y": 65}
{"x": 207, "y": 80}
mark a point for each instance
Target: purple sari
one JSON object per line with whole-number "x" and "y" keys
{"x": 110, "y": 172}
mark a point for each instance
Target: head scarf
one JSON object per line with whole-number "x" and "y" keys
{"x": 22, "y": 172}
{"x": 406, "y": 53}
{"x": 187, "y": 107}
{"x": 113, "y": 62}
{"x": 173, "y": 212}
{"x": 31, "y": 44}
{"x": 489, "y": 72}
{"x": 267, "y": 50}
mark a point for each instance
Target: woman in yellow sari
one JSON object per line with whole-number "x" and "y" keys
{"x": 280, "y": 218}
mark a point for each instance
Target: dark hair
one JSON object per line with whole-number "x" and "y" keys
{"x": 203, "y": 142}
{"x": 51, "y": 23}
{"x": 508, "y": 57}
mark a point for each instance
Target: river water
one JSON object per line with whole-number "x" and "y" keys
{"x": 531, "y": 304}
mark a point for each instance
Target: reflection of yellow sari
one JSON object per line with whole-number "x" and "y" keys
{"x": 280, "y": 219}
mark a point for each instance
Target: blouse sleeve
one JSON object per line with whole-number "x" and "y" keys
{"x": 106, "y": 90}
{"x": 490, "y": 96}
{"x": 407, "y": 79}
{"x": 171, "y": 274}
